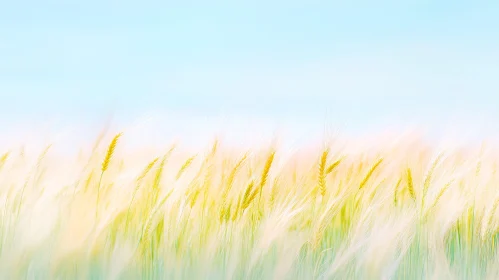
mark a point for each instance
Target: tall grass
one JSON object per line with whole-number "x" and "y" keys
{"x": 384, "y": 212}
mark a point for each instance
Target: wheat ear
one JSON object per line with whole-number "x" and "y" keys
{"x": 322, "y": 172}
{"x": 370, "y": 173}
{"x": 410, "y": 184}
{"x": 184, "y": 167}
{"x": 265, "y": 173}
{"x": 3, "y": 159}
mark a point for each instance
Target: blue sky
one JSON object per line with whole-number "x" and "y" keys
{"x": 351, "y": 63}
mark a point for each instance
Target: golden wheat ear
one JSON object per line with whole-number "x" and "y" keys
{"x": 184, "y": 166}
{"x": 266, "y": 171}
{"x": 410, "y": 184}
{"x": 370, "y": 173}
{"x": 4, "y": 158}
{"x": 110, "y": 152}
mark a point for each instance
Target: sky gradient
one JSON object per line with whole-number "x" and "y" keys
{"x": 355, "y": 65}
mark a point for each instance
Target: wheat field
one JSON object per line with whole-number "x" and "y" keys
{"x": 404, "y": 209}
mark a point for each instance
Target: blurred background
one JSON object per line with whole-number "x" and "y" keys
{"x": 248, "y": 70}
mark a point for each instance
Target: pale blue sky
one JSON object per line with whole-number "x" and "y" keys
{"x": 365, "y": 62}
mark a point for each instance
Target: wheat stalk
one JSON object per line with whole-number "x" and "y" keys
{"x": 142, "y": 175}
{"x": 428, "y": 178}
{"x": 230, "y": 181}
{"x": 105, "y": 166}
